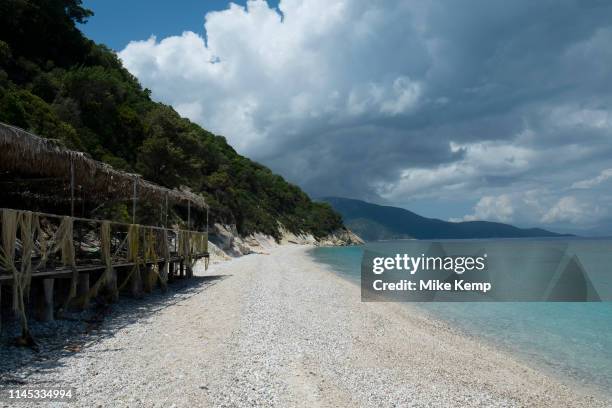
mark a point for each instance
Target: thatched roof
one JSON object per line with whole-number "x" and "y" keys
{"x": 23, "y": 153}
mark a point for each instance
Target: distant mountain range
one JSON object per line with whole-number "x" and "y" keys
{"x": 374, "y": 222}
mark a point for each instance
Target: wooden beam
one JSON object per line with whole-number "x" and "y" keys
{"x": 67, "y": 273}
{"x": 26, "y": 181}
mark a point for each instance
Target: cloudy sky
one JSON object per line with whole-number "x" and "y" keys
{"x": 492, "y": 110}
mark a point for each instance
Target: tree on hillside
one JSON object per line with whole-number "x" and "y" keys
{"x": 58, "y": 84}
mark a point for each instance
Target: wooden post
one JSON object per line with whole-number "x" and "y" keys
{"x": 79, "y": 252}
{"x": 163, "y": 274}
{"x": 83, "y": 290}
{"x": 187, "y": 265}
{"x": 82, "y": 202}
{"x": 188, "y": 215}
{"x": 166, "y": 212}
{"x": 71, "y": 188}
{"x": 134, "y": 199}
{"x": 47, "y": 311}
{"x": 136, "y": 285}
{"x": 171, "y": 267}
{"x": 148, "y": 279}
{"x": 206, "y": 253}
{"x": 167, "y": 244}
{"x": 111, "y": 286}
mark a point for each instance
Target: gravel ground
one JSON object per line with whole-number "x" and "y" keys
{"x": 281, "y": 330}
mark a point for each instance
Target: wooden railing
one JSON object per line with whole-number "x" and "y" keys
{"x": 35, "y": 245}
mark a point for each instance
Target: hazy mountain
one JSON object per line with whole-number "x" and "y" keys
{"x": 375, "y": 222}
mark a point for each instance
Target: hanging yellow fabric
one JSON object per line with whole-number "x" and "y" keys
{"x": 106, "y": 257}
{"x": 149, "y": 249}
{"x": 150, "y": 254}
{"x": 10, "y": 224}
{"x": 65, "y": 240}
{"x": 185, "y": 249}
{"x": 105, "y": 250}
{"x": 133, "y": 241}
{"x": 165, "y": 248}
{"x": 10, "y": 221}
{"x": 27, "y": 247}
{"x": 42, "y": 243}
{"x": 61, "y": 241}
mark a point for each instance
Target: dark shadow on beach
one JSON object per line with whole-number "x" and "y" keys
{"x": 77, "y": 331}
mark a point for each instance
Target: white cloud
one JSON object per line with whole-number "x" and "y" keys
{"x": 592, "y": 182}
{"x": 568, "y": 116}
{"x": 533, "y": 207}
{"x": 482, "y": 159}
{"x": 399, "y": 97}
{"x": 567, "y": 209}
{"x": 260, "y": 77}
{"x": 492, "y": 208}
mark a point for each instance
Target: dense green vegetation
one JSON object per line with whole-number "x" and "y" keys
{"x": 58, "y": 84}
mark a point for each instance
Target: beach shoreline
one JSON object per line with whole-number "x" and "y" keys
{"x": 279, "y": 329}
{"x": 532, "y": 359}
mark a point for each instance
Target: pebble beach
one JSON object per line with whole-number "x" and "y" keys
{"x": 277, "y": 329}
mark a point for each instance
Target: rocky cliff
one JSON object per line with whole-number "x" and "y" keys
{"x": 226, "y": 242}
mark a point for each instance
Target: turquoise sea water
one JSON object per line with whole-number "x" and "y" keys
{"x": 571, "y": 341}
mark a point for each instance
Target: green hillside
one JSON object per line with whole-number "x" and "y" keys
{"x": 377, "y": 222}
{"x": 59, "y": 84}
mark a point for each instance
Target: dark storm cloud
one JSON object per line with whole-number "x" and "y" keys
{"x": 507, "y": 103}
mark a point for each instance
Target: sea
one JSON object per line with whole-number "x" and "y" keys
{"x": 570, "y": 341}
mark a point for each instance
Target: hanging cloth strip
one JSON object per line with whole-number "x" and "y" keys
{"x": 65, "y": 240}
{"x": 107, "y": 261}
{"x": 27, "y": 224}
{"x": 10, "y": 224}
{"x": 133, "y": 241}
{"x": 150, "y": 254}
{"x": 165, "y": 250}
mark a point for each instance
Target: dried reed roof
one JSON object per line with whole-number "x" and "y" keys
{"x": 24, "y": 153}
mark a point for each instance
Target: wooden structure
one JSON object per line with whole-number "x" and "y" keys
{"x": 47, "y": 171}
{"x": 56, "y": 261}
